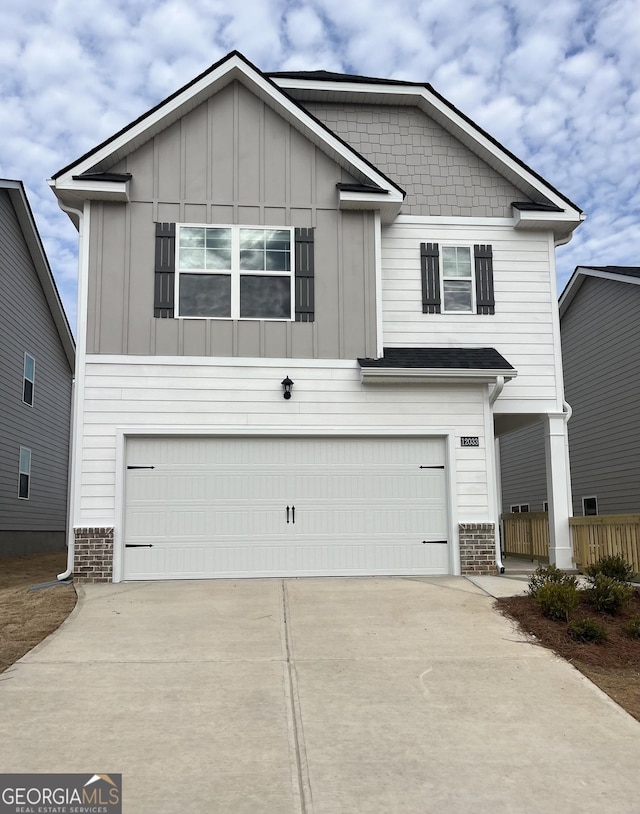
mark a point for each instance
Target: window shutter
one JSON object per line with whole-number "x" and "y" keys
{"x": 304, "y": 289}
{"x": 165, "y": 270}
{"x": 485, "y": 301}
{"x": 429, "y": 264}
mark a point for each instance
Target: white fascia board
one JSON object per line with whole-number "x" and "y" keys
{"x": 231, "y": 70}
{"x": 435, "y": 108}
{"x": 412, "y": 375}
{"x": 561, "y": 224}
{"x": 447, "y": 220}
{"x": 73, "y": 192}
{"x": 388, "y": 204}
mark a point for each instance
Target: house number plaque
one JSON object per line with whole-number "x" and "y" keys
{"x": 469, "y": 441}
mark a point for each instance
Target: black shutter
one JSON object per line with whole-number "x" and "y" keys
{"x": 429, "y": 265}
{"x": 305, "y": 299}
{"x": 165, "y": 270}
{"x": 485, "y": 301}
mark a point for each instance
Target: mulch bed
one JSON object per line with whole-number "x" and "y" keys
{"x": 614, "y": 665}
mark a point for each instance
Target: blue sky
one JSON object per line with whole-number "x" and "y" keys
{"x": 555, "y": 81}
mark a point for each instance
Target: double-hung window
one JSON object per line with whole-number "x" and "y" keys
{"x": 236, "y": 272}
{"x": 24, "y": 474}
{"x": 28, "y": 379}
{"x": 457, "y": 280}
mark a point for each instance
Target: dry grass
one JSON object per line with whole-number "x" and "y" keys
{"x": 614, "y": 665}
{"x": 26, "y": 618}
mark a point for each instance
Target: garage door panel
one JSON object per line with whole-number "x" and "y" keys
{"x": 217, "y": 507}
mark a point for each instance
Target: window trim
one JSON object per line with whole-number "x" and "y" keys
{"x": 471, "y": 279}
{"x": 520, "y": 508}
{"x": 235, "y": 272}
{"x": 589, "y": 497}
{"x": 26, "y": 379}
{"x": 26, "y": 472}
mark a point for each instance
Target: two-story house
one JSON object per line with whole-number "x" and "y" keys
{"x": 308, "y": 304}
{"x": 37, "y": 357}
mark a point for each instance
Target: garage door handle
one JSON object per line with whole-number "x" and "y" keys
{"x": 138, "y": 545}
{"x": 434, "y": 542}
{"x": 293, "y": 513}
{"x": 287, "y": 514}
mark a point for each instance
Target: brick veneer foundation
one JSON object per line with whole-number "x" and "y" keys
{"x": 93, "y": 557}
{"x": 477, "y": 548}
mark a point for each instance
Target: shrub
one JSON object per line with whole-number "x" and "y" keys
{"x": 586, "y": 630}
{"x": 549, "y": 575}
{"x": 607, "y": 594}
{"x": 632, "y": 627}
{"x": 557, "y": 599}
{"x": 613, "y": 566}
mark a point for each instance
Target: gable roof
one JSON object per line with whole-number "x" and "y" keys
{"x": 20, "y": 203}
{"x": 550, "y": 206}
{"x": 618, "y": 274}
{"x": 89, "y": 176}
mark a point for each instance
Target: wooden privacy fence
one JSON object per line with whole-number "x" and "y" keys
{"x": 526, "y": 535}
{"x": 606, "y": 535}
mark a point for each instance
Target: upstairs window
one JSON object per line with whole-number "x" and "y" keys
{"x": 24, "y": 474}
{"x": 234, "y": 272}
{"x": 457, "y": 279}
{"x": 29, "y": 378}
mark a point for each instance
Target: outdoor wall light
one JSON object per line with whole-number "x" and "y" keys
{"x": 287, "y": 384}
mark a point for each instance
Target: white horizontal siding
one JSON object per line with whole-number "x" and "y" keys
{"x": 212, "y": 398}
{"x": 522, "y": 329}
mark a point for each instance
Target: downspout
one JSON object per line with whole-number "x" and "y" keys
{"x": 499, "y": 387}
{"x": 71, "y": 507}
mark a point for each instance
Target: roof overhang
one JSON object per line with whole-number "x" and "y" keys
{"x": 562, "y": 223}
{"x": 18, "y": 198}
{"x": 233, "y": 68}
{"x": 411, "y": 375}
{"x": 449, "y": 365}
{"x": 425, "y": 98}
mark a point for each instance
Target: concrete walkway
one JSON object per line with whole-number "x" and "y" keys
{"x": 316, "y": 696}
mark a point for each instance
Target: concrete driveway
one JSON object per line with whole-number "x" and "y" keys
{"x": 321, "y": 696}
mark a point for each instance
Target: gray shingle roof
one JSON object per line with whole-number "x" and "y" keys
{"x": 440, "y": 358}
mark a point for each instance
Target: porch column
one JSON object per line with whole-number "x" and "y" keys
{"x": 558, "y": 490}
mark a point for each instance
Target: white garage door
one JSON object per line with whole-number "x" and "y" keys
{"x": 229, "y": 507}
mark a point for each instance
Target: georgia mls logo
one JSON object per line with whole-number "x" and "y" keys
{"x": 61, "y": 794}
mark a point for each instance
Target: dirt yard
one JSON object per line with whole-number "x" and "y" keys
{"x": 27, "y": 617}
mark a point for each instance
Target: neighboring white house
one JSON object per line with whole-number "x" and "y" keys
{"x": 37, "y": 357}
{"x": 308, "y": 304}
{"x": 600, "y": 330}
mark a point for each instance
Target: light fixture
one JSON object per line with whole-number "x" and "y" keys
{"x": 287, "y": 384}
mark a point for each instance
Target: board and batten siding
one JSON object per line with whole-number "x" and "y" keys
{"x": 521, "y": 328}
{"x": 231, "y": 160}
{"x": 205, "y": 398}
{"x": 440, "y": 175}
{"x": 601, "y": 354}
{"x": 26, "y": 325}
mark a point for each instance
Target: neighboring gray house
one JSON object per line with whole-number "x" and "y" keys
{"x": 308, "y": 304}
{"x": 600, "y": 331}
{"x": 37, "y": 356}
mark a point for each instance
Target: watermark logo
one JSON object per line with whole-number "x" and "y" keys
{"x": 60, "y": 794}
